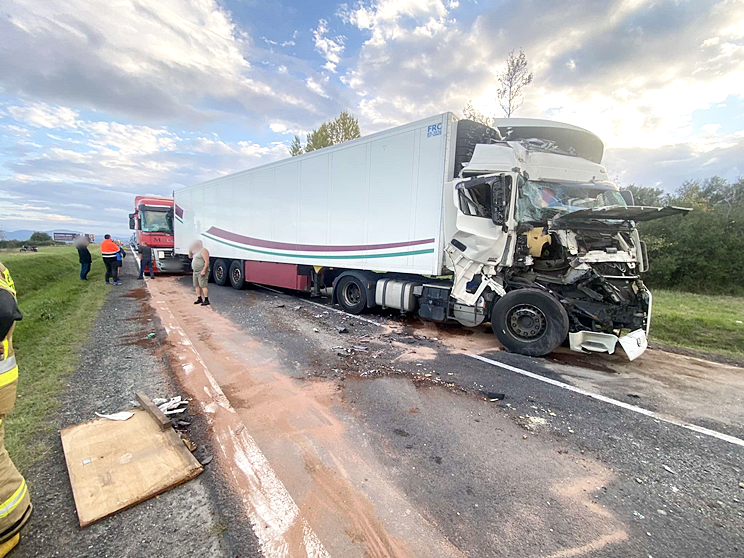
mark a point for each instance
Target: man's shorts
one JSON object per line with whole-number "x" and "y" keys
{"x": 201, "y": 280}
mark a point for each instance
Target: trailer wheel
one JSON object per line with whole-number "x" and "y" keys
{"x": 221, "y": 272}
{"x": 529, "y": 322}
{"x": 237, "y": 274}
{"x": 351, "y": 294}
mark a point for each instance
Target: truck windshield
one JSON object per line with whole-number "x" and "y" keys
{"x": 540, "y": 201}
{"x": 157, "y": 221}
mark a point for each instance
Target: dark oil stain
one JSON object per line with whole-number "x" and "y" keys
{"x": 401, "y": 432}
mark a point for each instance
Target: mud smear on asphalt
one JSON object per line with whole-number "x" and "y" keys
{"x": 294, "y": 424}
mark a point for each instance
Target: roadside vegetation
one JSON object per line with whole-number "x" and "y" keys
{"x": 58, "y": 311}
{"x": 704, "y": 323}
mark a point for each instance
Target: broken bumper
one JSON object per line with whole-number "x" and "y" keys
{"x": 634, "y": 344}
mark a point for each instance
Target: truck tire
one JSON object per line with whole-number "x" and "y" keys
{"x": 529, "y": 322}
{"x": 221, "y": 272}
{"x": 351, "y": 294}
{"x": 237, "y": 274}
{"x": 470, "y": 134}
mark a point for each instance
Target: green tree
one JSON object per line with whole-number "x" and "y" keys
{"x": 701, "y": 251}
{"x": 40, "y": 237}
{"x": 644, "y": 195}
{"x": 296, "y": 147}
{"x": 342, "y": 128}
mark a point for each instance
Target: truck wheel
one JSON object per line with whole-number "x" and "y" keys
{"x": 237, "y": 274}
{"x": 351, "y": 295}
{"x": 221, "y": 272}
{"x": 529, "y": 322}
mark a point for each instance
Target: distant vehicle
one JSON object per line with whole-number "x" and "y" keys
{"x": 517, "y": 224}
{"x": 27, "y": 248}
{"x": 152, "y": 222}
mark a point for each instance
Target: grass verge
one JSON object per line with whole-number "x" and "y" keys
{"x": 58, "y": 312}
{"x": 705, "y": 323}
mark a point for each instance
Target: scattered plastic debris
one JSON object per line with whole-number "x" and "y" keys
{"x": 123, "y": 415}
{"x": 360, "y": 348}
{"x": 493, "y": 396}
{"x": 316, "y": 330}
{"x": 342, "y": 329}
{"x": 150, "y": 335}
{"x": 207, "y": 460}
{"x": 669, "y": 470}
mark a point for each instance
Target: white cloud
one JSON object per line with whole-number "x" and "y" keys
{"x": 41, "y": 115}
{"x": 331, "y": 49}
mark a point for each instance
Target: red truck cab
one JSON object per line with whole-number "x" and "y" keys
{"x": 152, "y": 222}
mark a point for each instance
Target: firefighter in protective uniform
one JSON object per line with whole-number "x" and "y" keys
{"x": 15, "y": 504}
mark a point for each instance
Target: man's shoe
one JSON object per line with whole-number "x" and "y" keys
{"x": 199, "y": 301}
{"x": 117, "y": 283}
{"x": 206, "y": 302}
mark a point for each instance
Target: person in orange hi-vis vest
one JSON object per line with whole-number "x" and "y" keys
{"x": 15, "y": 504}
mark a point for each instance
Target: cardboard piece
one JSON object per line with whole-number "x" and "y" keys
{"x": 114, "y": 465}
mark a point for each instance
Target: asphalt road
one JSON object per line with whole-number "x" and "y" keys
{"x": 404, "y": 431}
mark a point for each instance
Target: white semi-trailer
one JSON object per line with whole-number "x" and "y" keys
{"x": 517, "y": 224}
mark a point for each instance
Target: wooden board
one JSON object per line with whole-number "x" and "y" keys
{"x": 114, "y": 465}
{"x": 154, "y": 411}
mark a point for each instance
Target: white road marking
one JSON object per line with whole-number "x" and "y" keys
{"x": 271, "y": 509}
{"x": 621, "y": 404}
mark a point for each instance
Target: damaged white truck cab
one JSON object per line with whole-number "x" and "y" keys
{"x": 545, "y": 246}
{"x": 516, "y": 224}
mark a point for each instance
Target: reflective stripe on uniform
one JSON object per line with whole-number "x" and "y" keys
{"x": 12, "y": 503}
{"x": 8, "y": 371}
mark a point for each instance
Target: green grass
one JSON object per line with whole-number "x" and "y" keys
{"x": 700, "y": 322}
{"x": 58, "y": 312}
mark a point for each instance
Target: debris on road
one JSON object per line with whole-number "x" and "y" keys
{"x": 342, "y": 329}
{"x": 207, "y": 460}
{"x": 115, "y": 464}
{"x": 493, "y": 396}
{"x": 360, "y": 348}
{"x": 122, "y": 415}
{"x": 150, "y": 335}
{"x": 669, "y": 470}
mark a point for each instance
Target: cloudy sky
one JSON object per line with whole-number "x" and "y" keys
{"x": 101, "y": 100}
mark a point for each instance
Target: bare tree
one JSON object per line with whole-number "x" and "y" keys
{"x": 512, "y": 81}
{"x": 472, "y": 113}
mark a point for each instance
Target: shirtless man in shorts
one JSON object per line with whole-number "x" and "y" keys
{"x": 200, "y": 266}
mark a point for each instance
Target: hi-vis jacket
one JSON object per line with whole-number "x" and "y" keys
{"x": 8, "y": 366}
{"x": 109, "y": 249}
{"x": 15, "y": 504}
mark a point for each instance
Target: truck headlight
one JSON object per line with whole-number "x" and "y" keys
{"x": 161, "y": 254}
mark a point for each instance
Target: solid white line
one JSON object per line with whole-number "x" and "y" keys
{"x": 272, "y": 511}
{"x": 621, "y": 404}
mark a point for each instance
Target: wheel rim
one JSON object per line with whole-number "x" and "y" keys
{"x": 219, "y": 273}
{"x": 526, "y": 322}
{"x": 352, "y": 294}
{"x": 236, "y": 275}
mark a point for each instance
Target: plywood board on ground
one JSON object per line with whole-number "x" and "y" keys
{"x": 116, "y": 464}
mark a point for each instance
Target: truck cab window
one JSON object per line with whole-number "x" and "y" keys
{"x": 476, "y": 201}
{"x": 538, "y": 202}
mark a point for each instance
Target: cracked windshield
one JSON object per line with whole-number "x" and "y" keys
{"x": 540, "y": 201}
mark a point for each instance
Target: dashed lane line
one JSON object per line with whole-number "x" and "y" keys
{"x": 640, "y": 410}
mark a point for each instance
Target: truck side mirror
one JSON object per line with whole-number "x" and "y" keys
{"x": 500, "y": 198}
{"x": 628, "y": 197}
{"x": 132, "y": 224}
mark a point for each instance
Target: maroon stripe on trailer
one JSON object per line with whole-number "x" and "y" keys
{"x": 179, "y": 211}
{"x": 227, "y": 235}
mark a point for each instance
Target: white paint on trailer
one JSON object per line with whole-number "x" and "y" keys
{"x": 373, "y": 203}
{"x": 640, "y": 410}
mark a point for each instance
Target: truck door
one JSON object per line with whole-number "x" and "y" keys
{"x": 484, "y": 218}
